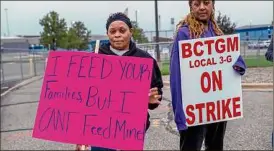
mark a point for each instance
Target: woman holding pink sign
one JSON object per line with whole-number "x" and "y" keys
{"x": 119, "y": 31}
{"x": 199, "y": 23}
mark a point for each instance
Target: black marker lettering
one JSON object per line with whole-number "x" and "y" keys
{"x": 85, "y": 122}
{"x": 47, "y": 88}
{"x": 101, "y": 107}
{"x": 52, "y": 119}
{"x": 121, "y": 128}
{"x": 131, "y": 75}
{"x": 68, "y": 118}
{"x": 141, "y": 133}
{"x": 58, "y": 118}
{"x": 55, "y": 64}
{"x": 66, "y": 95}
{"x": 103, "y": 76}
{"x": 123, "y": 69}
{"x": 42, "y": 119}
{"x": 91, "y": 66}
{"x": 143, "y": 70}
{"x": 91, "y": 94}
{"x": 80, "y": 68}
{"x": 124, "y": 100}
{"x": 93, "y": 129}
{"x": 99, "y": 131}
{"x": 108, "y": 129}
{"x": 79, "y": 97}
{"x": 71, "y": 63}
{"x": 73, "y": 95}
{"x": 130, "y": 132}
{"x": 109, "y": 99}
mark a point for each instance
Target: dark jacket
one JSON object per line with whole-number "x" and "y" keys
{"x": 156, "y": 75}
{"x": 269, "y": 52}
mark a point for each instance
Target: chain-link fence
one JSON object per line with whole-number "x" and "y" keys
{"x": 253, "y": 53}
{"x": 20, "y": 64}
{"x": 248, "y": 50}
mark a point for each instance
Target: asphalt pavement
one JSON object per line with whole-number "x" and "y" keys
{"x": 253, "y": 132}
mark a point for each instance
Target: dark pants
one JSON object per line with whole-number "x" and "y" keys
{"x": 192, "y": 138}
{"x": 101, "y": 149}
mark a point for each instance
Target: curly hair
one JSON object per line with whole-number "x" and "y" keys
{"x": 196, "y": 28}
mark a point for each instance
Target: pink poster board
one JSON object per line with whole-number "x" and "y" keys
{"x": 94, "y": 99}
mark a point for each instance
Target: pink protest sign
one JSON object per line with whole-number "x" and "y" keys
{"x": 94, "y": 99}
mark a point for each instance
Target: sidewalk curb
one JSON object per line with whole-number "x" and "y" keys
{"x": 248, "y": 86}
{"x": 21, "y": 84}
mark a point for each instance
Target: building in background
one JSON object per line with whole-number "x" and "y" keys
{"x": 255, "y": 32}
{"x": 32, "y": 42}
{"x": 103, "y": 39}
{"x": 14, "y": 44}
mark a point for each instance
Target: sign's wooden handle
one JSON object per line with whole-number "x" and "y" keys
{"x": 97, "y": 45}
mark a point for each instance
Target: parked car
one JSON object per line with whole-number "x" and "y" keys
{"x": 266, "y": 43}
{"x": 260, "y": 44}
{"x": 251, "y": 45}
{"x": 165, "y": 50}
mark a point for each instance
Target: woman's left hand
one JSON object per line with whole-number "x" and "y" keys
{"x": 154, "y": 96}
{"x": 237, "y": 68}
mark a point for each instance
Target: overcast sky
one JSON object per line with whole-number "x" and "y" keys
{"x": 23, "y": 16}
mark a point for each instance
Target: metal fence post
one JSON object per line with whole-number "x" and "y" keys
{"x": 21, "y": 66}
{"x": 30, "y": 66}
{"x": 34, "y": 64}
{"x": 45, "y": 65}
{"x": 245, "y": 45}
{"x": 2, "y": 71}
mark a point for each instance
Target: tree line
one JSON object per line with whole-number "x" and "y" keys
{"x": 57, "y": 34}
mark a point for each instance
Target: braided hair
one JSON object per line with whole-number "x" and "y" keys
{"x": 196, "y": 28}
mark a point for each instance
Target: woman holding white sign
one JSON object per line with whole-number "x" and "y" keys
{"x": 119, "y": 31}
{"x": 199, "y": 23}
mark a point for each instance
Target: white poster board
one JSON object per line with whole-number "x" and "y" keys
{"x": 211, "y": 88}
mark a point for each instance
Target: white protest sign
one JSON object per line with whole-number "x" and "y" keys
{"x": 211, "y": 88}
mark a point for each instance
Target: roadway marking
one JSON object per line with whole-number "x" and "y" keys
{"x": 4, "y": 88}
{"x": 28, "y": 56}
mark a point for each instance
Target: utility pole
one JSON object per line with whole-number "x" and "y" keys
{"x": 159, "y": 23}
{"x": 136, "y": 17}
{"x": 7, "y": 20}
{"x": 157, "y": 31}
